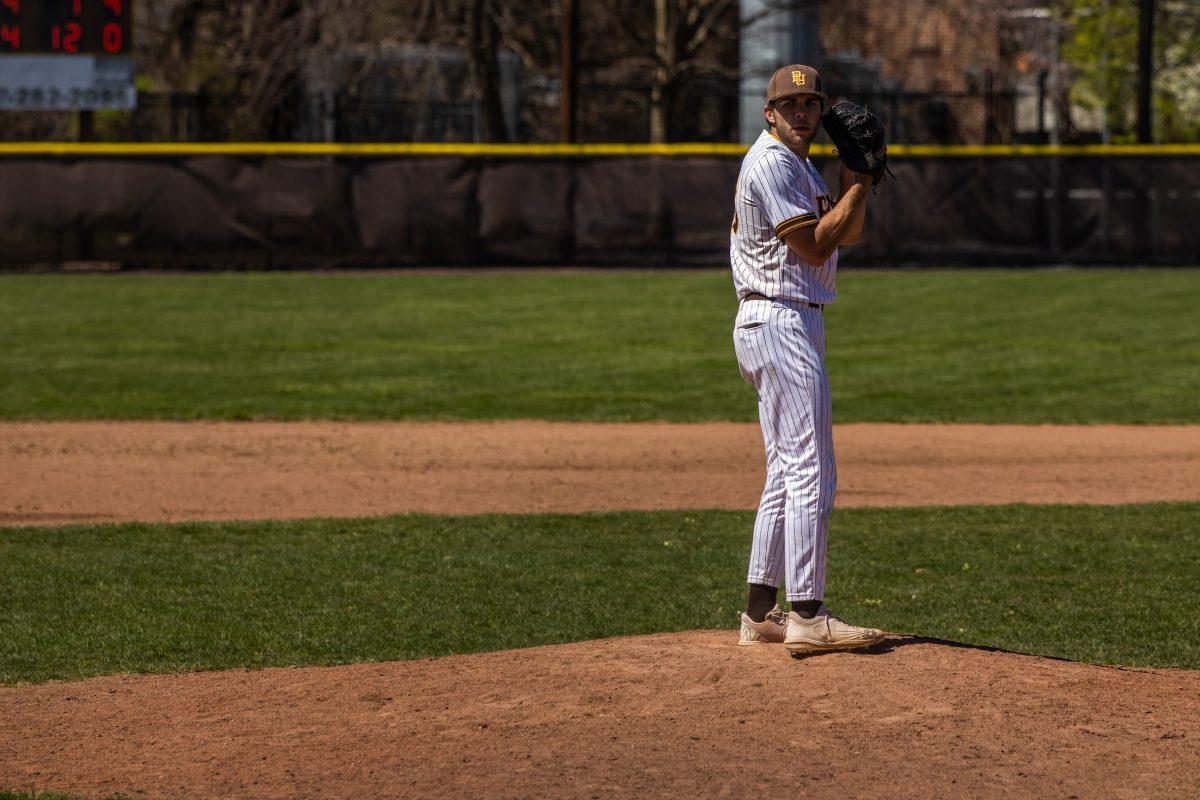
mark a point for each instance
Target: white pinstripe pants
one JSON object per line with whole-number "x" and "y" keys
{"x": 780, "y": 349}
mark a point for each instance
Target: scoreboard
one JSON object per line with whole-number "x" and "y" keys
{"x": 66, "y": 55}
{"x": 66, "y": 27}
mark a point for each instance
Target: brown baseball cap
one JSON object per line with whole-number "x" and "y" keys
{"x": 794, "y": 79}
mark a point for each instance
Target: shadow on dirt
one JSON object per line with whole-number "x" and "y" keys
{"x": 892, "y": 642}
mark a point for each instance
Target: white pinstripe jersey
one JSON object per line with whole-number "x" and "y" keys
{"x": 777, "y": 193}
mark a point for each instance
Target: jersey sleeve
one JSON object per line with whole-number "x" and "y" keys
{"x": 777, "y": 187}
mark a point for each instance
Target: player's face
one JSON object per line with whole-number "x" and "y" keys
{"x": 796, "y": 119}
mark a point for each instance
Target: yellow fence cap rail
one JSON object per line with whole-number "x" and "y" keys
{"x": 427, "y": 150}
{"x": 419, "y": 149}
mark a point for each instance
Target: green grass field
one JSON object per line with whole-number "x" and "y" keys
{"x": 1104, "y": 584}
{"x": 981, "y": 346}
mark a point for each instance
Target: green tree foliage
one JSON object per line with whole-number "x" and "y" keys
{"x": 1100, "y": 45}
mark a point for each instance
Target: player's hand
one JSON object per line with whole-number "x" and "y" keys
{"x": 851, "y": 178}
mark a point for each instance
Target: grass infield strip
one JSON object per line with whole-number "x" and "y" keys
{"x": 1112, "y": 584}
{"x": 943, "y": 346}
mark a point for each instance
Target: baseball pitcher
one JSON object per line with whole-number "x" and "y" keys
{"x": 783, "y": 250}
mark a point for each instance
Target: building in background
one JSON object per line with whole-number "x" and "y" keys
{"x": 937, "y": 71}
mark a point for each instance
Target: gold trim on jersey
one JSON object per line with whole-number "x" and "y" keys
{"x": 795, "y": 224}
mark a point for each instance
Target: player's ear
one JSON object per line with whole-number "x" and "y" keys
{"x": 769, "y": 114}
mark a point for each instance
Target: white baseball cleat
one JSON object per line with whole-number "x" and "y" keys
{"x": 826, "y": 632}
{"x": 769, "y": 631}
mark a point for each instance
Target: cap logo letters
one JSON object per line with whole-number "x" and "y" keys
{"x": 798, "y": 77}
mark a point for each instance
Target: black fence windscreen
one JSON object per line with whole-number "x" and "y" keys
{"x": 247, "y": 212}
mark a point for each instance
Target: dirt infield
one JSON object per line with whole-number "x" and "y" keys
{"x": 682, "y": 715}
{"x": 657, "y": 716}
{"x": 55, "y": 473}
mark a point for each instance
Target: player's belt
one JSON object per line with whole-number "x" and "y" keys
{"x": 757, "y": 296}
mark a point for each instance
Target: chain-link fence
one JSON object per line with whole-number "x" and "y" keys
{"x": 704, "y": 111}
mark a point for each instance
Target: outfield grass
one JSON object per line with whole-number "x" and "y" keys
{"x": 982, "y": 346}
{"x": 1105, "y": 584}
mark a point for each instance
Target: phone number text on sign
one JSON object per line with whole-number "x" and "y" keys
{"x": 57, "y": 99}
{"x": 67, "y": 83}
{"x": 66, "y": 27}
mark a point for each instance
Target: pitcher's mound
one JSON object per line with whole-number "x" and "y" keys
{"x": 681, "y": 715}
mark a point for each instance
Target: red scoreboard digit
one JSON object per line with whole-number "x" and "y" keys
{"x": 66, "y": 27}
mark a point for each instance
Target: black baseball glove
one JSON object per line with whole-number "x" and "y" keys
{"x": 858, "y": 136}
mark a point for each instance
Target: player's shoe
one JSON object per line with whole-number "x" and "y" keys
{"x": 769, "y": 631}
{"x": 826, "y": 632}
